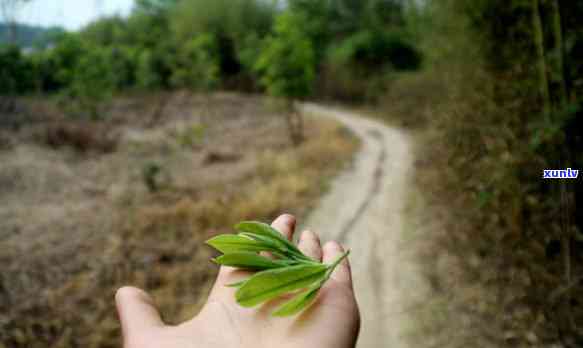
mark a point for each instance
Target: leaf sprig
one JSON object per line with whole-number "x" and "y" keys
{"x": 289, "y": 271}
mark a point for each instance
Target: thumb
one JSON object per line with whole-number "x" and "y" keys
{"x": 136, "y": 311}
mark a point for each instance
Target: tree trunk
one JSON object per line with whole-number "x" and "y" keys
{"x": 295, "y": 124}
{"x": 540, "y": 59}
{"x": 559, "y": 52}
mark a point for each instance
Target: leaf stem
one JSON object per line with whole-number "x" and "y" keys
{"x": 336, "y": 263}
{"x": 342, "y": 257}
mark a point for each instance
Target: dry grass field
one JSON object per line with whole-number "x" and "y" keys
{"x": 90, "y": 206}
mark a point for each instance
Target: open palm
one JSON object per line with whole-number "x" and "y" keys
{"x": 332, "y": 320}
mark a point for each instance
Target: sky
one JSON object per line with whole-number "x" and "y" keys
{"x": 71, "y": 14}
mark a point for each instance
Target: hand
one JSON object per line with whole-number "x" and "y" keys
{"x": 332, "y": 321}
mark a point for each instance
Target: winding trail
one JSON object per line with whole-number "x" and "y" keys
{"x": 364, "y": 211}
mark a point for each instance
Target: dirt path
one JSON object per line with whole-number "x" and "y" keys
{"x": 364, "y": 210}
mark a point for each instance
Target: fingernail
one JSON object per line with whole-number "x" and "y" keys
{"x": 307, "y": 234}
{"x": 290, "y": 219}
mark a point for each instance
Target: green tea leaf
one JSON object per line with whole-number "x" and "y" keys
{"x": 237, "y": 284}
{"x": 279, "y": 250}
{"x": 290, "y": 262}
{"x": 273, "y": 243}
{"x": 290, "y": 271}
{"x": 229, "y": 243}
{"x": 299, "y": 302}
{"x": 266, "y": 285}
{"x": 248, "y": 260}
{"x": 262, "y": 229}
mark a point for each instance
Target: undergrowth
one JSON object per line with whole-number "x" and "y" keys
{"x": 492, "y": 229}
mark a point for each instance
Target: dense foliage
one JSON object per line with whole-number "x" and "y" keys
{"x": 15, "y": 71}
{"x": 201, "y": 45}
{"x": 287, "y": 62}
{"x": 513, "y": 109}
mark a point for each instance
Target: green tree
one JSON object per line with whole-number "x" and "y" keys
{"x": 232, "y": 19}
{"x": 106, "y": 32}
{"x": 287, "y": 66}
{"x": 287, "y": 63}
{"x": 64, "y": 57}
{"x": 376, "y": 50}
{"x": 95, "y": 79}
{"x": 236, "y": 25}
{"x": 319, "y": 25}
{"x": 196, "y": 65}
{"x": 538, "y": 37}
{"x": 147, "y": 76}
{"x": 16, "y": 72}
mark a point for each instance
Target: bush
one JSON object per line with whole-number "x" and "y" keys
{"x": 147, "y": 74}
{"x": 94, "y": 80}
{"x": 81, "y": 137}
{"x": 374, "y": 50}
{"x": 197, "y": 64}
{"x": 124, "y": 64}
{"x": 63, "y": 59}
{"x": 360, "y": 67}
{"x": 230, "y": 22}
{"x": 16, "y": 72}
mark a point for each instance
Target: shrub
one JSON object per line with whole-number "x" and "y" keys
{"x": 82, "y": 137}
{"x": 197, "y": 64}
{"x": 94, "y": 80}
{"x": 147, "y": 76}
{"x": 359, "y": 67}
{"x": 230, "y": 22}
{"x": 63, "y": 58}
{"x": 16, "y": 72}
{"x": 374, "y": 50}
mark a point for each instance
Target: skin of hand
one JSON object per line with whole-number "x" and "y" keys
{"x": 332, "y": 321}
